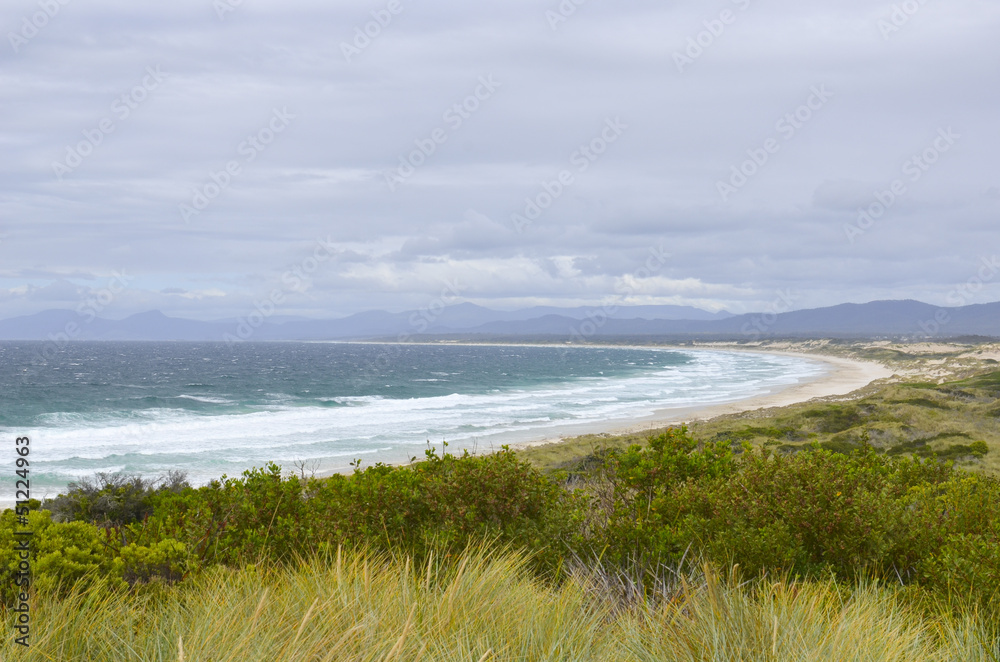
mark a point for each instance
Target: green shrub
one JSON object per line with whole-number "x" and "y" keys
{"x": 166, "y": 560}
{"x": 830, "y": 511}
{"x": 808, "y": 513}
{"x": 921, "y": 402}
{"x": 232, "y": 520}
{"x": 852, "y": 514}
{"x": 953, "y": 546}
{"x": 645, "y": 482}
{"x": 61, "y": 553}
{"x": 69, "y": 552}
{"x": 113, "y": 499}
{"x": 442, "y": 503}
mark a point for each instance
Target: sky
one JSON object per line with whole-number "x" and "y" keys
{"x": 206, "y": 157}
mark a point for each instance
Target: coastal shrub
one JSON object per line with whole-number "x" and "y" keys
{"x": 61, "y": 554}
{"x": 749, "y": 433}
{"x": 921, "y": 402}
{"x": 113, "y": 499}
{"x": 921, "y": 448}
{"x": 444, "y": 502}
{"x": 68, "y": 552}
{"x": 232, "y": 520}
{"x": 840, "y": 445}
{"x": 952, "y": 544}
{"x": 808, "y": 513}
{"x": 813, "y": 513}
{"x": 64, "y": 555}
{"x": 166, "y": 560}
{"x": 645, "y": 483}
{"x": 837, "y": 418}
{"x": 966, "y": 571}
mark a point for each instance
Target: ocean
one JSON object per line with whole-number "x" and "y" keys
{"x": 210, "y": 409}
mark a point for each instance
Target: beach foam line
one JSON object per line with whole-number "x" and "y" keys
{"x": 208, "y": 444}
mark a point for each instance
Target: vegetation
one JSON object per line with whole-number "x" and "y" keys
{"x": 489, "y": 607}
{"x": 440, "y": 505}
{"x": 113, "y": 499}
{"x": 952, "y": 420}
{"x": 808, "y": 534}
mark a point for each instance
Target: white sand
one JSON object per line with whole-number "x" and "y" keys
{"x": 843, "y": 377}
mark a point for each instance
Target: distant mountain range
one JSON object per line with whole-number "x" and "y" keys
{"x": 876, "y": 319}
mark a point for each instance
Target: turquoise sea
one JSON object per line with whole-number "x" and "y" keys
{"x": 210, "y": 409}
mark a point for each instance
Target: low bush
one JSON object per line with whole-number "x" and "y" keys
{"x": 442, "y": 503}
{"x": 810, "y": 514}
{"x": 64, "y": 555}
{"x": 114, "y": 499}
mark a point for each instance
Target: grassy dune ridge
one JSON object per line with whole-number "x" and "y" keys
{"x": 489, "y": 606}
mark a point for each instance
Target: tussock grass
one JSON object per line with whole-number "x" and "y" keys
{"x": 811, "y": 621}
{"x": 488, "y": 606}
{"x": 353, "y": 607}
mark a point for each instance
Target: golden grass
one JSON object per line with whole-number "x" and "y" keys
{"x": 483, "y": 607}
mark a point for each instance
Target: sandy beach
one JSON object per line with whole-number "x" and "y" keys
{"x": 843, "y": 376}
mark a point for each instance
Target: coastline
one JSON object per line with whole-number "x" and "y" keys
{"x": 841, "y": 377}
{"x": 844, "y": 376}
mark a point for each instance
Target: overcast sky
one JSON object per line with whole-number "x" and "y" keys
{"x": 627, "y": 123}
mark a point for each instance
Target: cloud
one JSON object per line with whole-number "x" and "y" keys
{"x": 844, "y": 195}
{"x": 221, "y": 80}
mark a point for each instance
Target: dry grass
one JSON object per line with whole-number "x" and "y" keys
{"x": 929, "y": 406}
{"x": 488, "y": 607}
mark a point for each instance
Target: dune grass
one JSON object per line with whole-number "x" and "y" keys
{"x": 488, "y": 606}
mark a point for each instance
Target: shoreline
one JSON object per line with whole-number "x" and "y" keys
{"x": 843, "y": 377}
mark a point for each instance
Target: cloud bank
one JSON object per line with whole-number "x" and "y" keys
{"x": 359, "y": 155}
